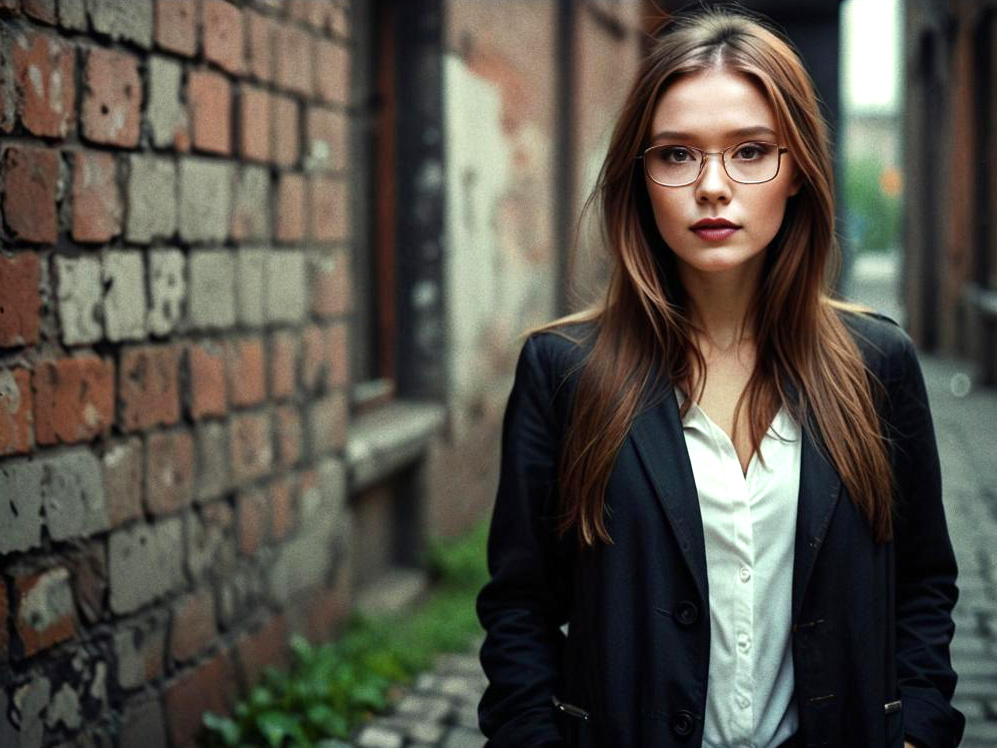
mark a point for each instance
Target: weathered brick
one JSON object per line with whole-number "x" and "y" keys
{"x": 112, "y": 98}
{"x": 247, "y": 383}
{"x": 222, "y": 31}
{"x": 286, "y": 286}
{"x": 79, "y": 293}
{"x": 193, "y": 625}
{"x": 4, "y": 637}
{"x": 123, "y": 484}
{"x": 31, "y": 700}
{"x": 282, "y": 492}
{"x": 266, "y": 647}
{"x": 208, "y": 687}
{"x": 148, "y": 387}
{"x": 254, "y": 124}
{"x": 328, "y": 144}
{"x": 250, "y": 444}
{"x": 314, "y": 359}
{"x": 16, "y": 413}
{"x": 331, "y": 287}
{"x": 45, "y": 611}
{"x": 210, "y": 97}
{"x": 168, "y": 290}
{"x": 74, "y": 399}
{"x": 21, "y": 512}
{"x": 145, "y": 562}
{"x": 209, "y": 544}
{"x": 339, "y": 363}
{"x": 30, "y": 186}
{"x": 167, "y": 114}
{"x": 139, "y": 649}
{"x": 176, "y": 26}
{"x": 211, "y": 301}
{"x": 169, "y": 473}
{"x": 328, "y": 213}
{"x": 72, "y": 15}
{"x": 289, "y": 435}
{"x": 294, "y": 59}
{"x": 328, "y": 607}
{"x": 152, "y": 198}
{"x": 251, "y": 521}
{"x": 205, "y": 199}
{"x": 124, "y": 295}
{"x": 212, "y": 473}
{"x": 286, "y": 138}
{"x": 44, "y": 71}
{"x": 8, "y": 99}
{"x": 250, "y": 291}
{"x": 332, "y": 72}
{"x": 290, "y": 216}
{"x": 327, "y": 419}
{"x": 259, "y": 46}
{"x": 251, "y": 209}
{"x": 283, "y": 364}
{"x": 129, "y": 20}
{"x": 338, "y": 20}
{"x": 40, "y": 10}
{"x": 20, "y": 302}
{"x": 97, "y": 208}
{"x": 208, "y": 388}
{"x": 88, "y": 570}
{"x": 143, "y": 724}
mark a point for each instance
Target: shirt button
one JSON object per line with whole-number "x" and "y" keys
{"x": 743, "y": 701}
{"x": 745, "y": 574}
{"x": 743, "y": 642}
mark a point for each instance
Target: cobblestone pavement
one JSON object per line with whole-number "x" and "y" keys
{"x": 440, "y": 709}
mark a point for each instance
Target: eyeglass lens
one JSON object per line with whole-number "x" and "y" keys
{"x": 675, "y": 165}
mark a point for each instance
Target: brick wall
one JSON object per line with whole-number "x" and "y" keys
{"x": 173, "y": 291}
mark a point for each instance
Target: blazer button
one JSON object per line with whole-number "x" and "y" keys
{"x": 686, "y": 613}
{"x": 683, "y": 723}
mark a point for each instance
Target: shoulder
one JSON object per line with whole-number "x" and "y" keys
{"x": 560, "y": 351}
{"x": 885, "y": 346}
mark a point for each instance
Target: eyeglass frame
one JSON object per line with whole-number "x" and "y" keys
{"x": 702, "y": 164}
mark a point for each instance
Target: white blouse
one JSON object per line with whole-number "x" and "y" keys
{"x": 749, "y": 525}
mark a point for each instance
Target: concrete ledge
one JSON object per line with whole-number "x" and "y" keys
{"x": 388, "y": 438}
{"x": 393, "y": 592}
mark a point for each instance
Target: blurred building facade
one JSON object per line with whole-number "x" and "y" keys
{"x": 950, "y": 163}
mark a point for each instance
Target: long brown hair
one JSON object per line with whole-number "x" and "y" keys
{"x": 642, "y": 327}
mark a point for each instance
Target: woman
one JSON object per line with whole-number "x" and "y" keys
{"x": 764, "y": 562}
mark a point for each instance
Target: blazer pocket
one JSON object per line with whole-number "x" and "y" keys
{"x": 572, "y": 720}
{"x": 894, "y": 714}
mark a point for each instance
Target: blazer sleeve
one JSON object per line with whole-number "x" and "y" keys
{"x": 523, "y": 605}
{"x": 926, "y": 569}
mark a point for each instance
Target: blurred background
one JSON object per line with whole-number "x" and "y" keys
{"x": 263, "y": 265}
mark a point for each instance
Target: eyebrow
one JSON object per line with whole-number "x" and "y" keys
{"x": 742, "y": 132}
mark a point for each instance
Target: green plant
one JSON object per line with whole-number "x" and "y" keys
{"x": 874, "y": 215}
{"x": 332, "y": 688}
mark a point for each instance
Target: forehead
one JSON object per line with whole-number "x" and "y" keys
{"x": 711, "y": 105}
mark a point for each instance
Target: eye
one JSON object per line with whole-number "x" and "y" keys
{"x": 752, "y": 151}
{"x": 676, "y": 154}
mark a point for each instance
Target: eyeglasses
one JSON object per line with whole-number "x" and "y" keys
{"x": 751, "y": 162}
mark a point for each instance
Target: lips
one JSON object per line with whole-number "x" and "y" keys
{"x": 713, "y": 223}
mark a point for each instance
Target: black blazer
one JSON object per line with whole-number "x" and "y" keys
{"x": 871, "y": 623}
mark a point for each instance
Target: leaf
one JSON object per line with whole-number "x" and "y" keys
{"x": 227, "y": 728}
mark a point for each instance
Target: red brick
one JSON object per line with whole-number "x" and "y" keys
{"x": 20, "y": 302}
{"x": 251, "y": 450}
{"x": 254, "y": 124}
{"x": 176, "y": 26}
{"x": 283, "y": 364}
{"x": 16, "y": 415}
{"x": 332, "y": 290}
{"x": 74, "y": 399}
{"x": 264, "y": 648}
{"x": 149, "y": 387}
{"x": 251, "y": 522}
{"x": 247, "y": 372}
{"x": 210, "y": 97}
{"x": 260, "y": 46}
{"x": 40, "y": 10}
{"x": 328, "y": 146}
{"x": 45, "y": 612}
{"x": 97, "y": 206}
{"x": 88, "y": 570}
{"x": 123, "y": 484}
{"x": 30, "y": 184}
{"x": 112, "y": 98}
{"x": 281, "y": 507}
{"x": 221, "y": 26}
{"x": 332, "y": 72}
{"x": 288, "y": 425}
{"x": 208, "y": 390}
{"x": 290, "y": 210}
{"x": 339, "y": 363}
{"x": 44, "y": 71}
{"x": 169, "y": 471}
{"x": 327, "y": 427}
{"x": 294, "y": 59}
{"x": 209, "y": 687}
{"x": 328, "y": 212}
{"x": 286, "y": 141}
{"x": 193, "y": 625}
{"x": 314, "y": 359}
{"x": 328, "y": 608}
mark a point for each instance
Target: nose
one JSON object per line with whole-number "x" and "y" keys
{"x": 713, "y": 183}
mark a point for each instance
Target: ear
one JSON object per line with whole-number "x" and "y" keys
{"x": 796, "y": 184}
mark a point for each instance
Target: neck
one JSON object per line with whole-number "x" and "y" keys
{"x": 719, "y": 302}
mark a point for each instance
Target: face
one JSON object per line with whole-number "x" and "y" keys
{"x": 708, "y": 108}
